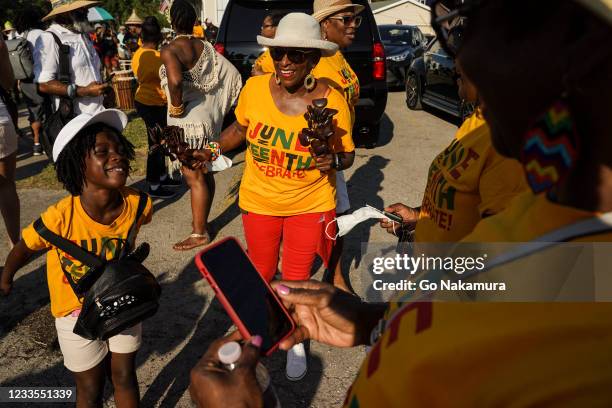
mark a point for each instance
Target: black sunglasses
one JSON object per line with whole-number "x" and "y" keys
{"x": 347, "y": 20}
{"x": 294, "y": 55}
{"x": 449, "y": 20}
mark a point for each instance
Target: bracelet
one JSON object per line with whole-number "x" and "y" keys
{"x": 336, "y": 164}
{"x": 71, "y": 91}
{"x": 176, "y": 111}
{"x": 215, "y": 150}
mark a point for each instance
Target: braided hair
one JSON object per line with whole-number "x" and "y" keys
{"x": 70, "y": 165}
{"x": 182, "y": 16}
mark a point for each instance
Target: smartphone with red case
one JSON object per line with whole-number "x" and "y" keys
{"x": 248, "y": 299}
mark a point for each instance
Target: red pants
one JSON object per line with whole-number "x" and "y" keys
{"x": 303, "y": 237}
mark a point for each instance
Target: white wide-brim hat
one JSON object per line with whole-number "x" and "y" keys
{"x": 299, "y": 30}
{"x": 111, "y": 117}
{"x": 325, "y": 8}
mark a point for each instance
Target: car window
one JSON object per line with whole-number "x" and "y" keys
{"x": 245, "y": 20}
{"x": 395, "y": 36}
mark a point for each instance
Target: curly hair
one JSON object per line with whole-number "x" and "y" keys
{"x": 70, "y": 165}
{"x": 182, "y": 16}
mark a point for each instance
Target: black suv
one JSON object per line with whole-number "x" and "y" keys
{"x": 432, "y": 81}
{"x": 237, "y": 41}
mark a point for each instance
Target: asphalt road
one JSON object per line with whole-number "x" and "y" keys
{"x": 189, "y": 319}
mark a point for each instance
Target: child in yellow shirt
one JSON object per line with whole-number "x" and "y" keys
{"x": 92, "y": 162}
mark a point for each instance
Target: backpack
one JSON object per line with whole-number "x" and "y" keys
{"x": 56, "y": 120}
{"x": 20, "y": 57}
{"x": 118, "y": 293}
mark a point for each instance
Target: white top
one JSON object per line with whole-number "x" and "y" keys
{"x": 84, "y": 64}
{"x": 32, "y": 36}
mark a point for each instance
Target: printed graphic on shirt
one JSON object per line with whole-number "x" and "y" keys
{"x": 278, "y": 152}
{"x": 106, "y": 248}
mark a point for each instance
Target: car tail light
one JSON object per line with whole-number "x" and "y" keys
{"x": 379, "y": 70}
{"x": 220, "y": 47}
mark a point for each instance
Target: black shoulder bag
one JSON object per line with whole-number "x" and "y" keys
{"x": 55, "y": 120}
{"x": 119, "y": 293}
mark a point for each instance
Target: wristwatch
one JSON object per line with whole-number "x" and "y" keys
{"x": 336, "y": 163}
{"x": 71, "y": 91}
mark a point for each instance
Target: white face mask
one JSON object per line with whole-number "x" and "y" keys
{"x": 347, "y": 222}
{"x": 222, "y": 163}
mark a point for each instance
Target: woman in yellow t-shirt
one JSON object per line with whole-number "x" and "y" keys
{"x": 467, "y": 182}
{"x": 286, "y": 194}
{"x": 498, "y": 354}
{"x": 150, "y": 102}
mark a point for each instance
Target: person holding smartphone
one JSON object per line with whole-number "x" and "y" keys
{"x": 287, "y": 196}
{"x": 494, "y": 354}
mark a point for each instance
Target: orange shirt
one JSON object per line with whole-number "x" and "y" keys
{"x": 280, "y": 177}
{"x": 68, "y": 219}
{"x": 145, "y": 64}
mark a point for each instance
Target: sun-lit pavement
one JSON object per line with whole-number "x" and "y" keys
{"x": 187, "y": 321}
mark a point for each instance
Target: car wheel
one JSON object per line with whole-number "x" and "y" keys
{"x": 413, "y": 92}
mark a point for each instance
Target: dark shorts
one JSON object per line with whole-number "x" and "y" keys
{"x": 34, "y": 101}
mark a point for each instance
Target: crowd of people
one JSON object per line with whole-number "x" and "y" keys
{"x": 532, "y": 159}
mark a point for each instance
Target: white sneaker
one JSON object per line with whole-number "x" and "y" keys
{"x": 297, "y": 364}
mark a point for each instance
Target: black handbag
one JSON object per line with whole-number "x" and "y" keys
{"x": 56, "y": 120}
{"x": 119, "y": 293}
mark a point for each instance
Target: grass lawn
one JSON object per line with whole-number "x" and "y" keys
{"x": 135, "y": 131}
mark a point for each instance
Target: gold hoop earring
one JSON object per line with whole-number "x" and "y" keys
{"x": 276, "y": 79}
{"x": 310, "y": 82}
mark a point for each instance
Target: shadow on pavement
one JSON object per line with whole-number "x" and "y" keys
{"x": 364, "y": 187}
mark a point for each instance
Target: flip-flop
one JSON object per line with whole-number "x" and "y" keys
{"x": 183, "y": 247}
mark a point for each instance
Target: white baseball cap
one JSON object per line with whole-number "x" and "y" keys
{"x": 111, "y": 117}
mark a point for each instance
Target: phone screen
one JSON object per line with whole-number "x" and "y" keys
{"x": 246, "y": 291}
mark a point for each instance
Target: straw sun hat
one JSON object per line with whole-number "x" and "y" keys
{"x": 65, "y": 6}
{"x": 325, "y": 8}
{"x": 299, "y": 30}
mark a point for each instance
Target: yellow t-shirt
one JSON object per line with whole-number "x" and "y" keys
{"x": 280, "y": 177}
{"x": 145, "y": 64}
{"x": 198, "y": 31}
{"x": 334, "y": 68}
{"x": 264, "y": 62}
{"x": 495, "y": 354}
{"x": 68, "y": 219}
{"x": 467, "y": 180}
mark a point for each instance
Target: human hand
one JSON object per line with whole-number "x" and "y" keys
{"x": 213, "y": 385}
{"x": 326, "y": 314}
{"x": 409, "y": 218}
{"x": 324, "y": 162}
{"x": 93, "y": 89}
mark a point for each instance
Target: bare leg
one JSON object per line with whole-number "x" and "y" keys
{"x": 9, "y": 201}
{"x": 335, "y": 266}
{"x": 202, "y": 188}
{"x": 123, "y": 374}
{"x": 36, "y": 126}
{"x": 90, "y": 386}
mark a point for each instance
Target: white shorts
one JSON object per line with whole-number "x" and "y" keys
{"x": 81, "y": 354}
{"x": 342, "y": 199}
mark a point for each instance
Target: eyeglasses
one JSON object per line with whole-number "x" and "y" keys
{"x": 449, "y": 21}
{"x": 348, "y": 20}
{"x": 294, "y": 55}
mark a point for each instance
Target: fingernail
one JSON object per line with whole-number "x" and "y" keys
{"x": 282, "y": 289}
{"x": 256, "y": 341}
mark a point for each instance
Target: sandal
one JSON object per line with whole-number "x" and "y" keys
{"x": 192, "y": 241}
